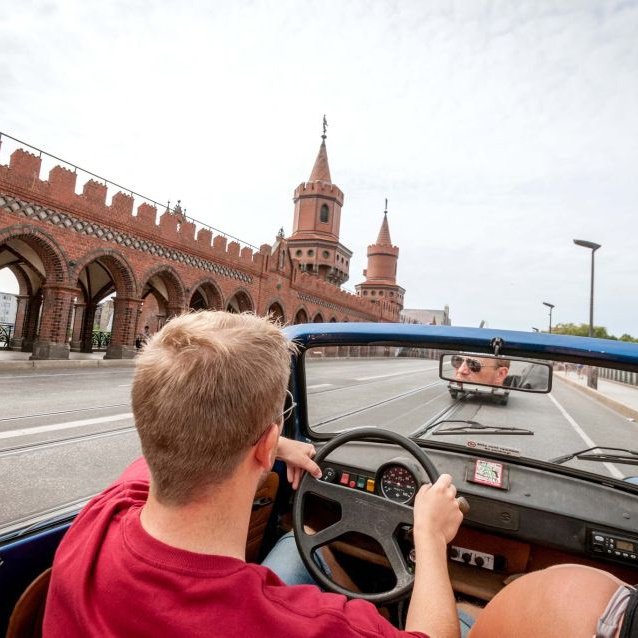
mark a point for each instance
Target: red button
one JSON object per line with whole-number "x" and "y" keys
{"x": 345, "y": 478}
{"x": 353, "y": 484}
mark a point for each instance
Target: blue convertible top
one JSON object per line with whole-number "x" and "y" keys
{"x": 538, "y": 345}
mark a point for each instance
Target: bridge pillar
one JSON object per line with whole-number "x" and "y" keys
{"x": 17, "y": 337}
{"x": 31, "y": 321}
{"x": 86, "y": 331}
{"x": 76, "y": 335}
{"x": 57, "y": 308}
{"x": 126, "y": 311}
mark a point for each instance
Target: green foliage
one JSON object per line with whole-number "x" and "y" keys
{"x": 582, "y": 330}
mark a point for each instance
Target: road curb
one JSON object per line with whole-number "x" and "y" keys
{"x": 623, "y": 409}
{"x": 57, "y": 364}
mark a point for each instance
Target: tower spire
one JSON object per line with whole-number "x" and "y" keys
{"x": 384, "y": 232}
{"x": 321, "y": 169}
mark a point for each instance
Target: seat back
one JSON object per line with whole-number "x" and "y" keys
{"x": 262, "y": 509}
{"x": 560, "y": 601}
{"x": 28, "y": 613}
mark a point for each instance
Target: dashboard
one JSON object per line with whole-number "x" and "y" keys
{"x": 521, "y": 518}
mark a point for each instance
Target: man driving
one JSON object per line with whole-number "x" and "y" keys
{"x": 481, "y": 370}
{"x": 162, "y": 550}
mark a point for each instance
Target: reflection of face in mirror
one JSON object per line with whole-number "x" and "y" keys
{"x": 480, "y": 370}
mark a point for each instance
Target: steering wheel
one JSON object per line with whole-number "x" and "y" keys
{"x": 363, "y": 512}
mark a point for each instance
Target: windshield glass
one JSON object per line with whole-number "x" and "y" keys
{"x": 400, "y": 389}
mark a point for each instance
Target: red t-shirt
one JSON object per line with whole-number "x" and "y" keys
{"x": 112, "y": 579}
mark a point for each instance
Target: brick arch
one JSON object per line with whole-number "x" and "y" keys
{"x": 206, "y": 295}
{"x": 120, "y": 270}
{"x": 301, "y": 315}
{"x": 121, "y": 280}
{"x": 53, "y": 258}
{"x": 318, "y": 318}
{"x": 240, "y": 301}
{"x": 25, "y": 286}
{"x": 170, "y": 278}
{"x": 333, "y": 319}
{"x": 275, "y": 307}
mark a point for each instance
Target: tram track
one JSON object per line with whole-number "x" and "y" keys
{"x": 78, "y": 438}
{"x": 58, "y": 412}
{"x": 375, "y": 404}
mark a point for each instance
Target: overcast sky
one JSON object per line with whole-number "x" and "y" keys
{"x": 499, "y": 131}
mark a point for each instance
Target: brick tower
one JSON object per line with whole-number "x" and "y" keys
{"x": 381, "y": 284}
{"x": 314, "y": 243}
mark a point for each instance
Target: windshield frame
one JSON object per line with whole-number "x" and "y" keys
{"x": 560, "y": 348}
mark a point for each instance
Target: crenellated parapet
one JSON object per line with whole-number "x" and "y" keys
{"x": 21, "y": 178}
{"x": 323, "y": 189}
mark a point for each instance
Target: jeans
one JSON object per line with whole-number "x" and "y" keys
{"x": 285, "y": 561}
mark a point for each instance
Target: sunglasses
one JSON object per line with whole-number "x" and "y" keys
{"x": 474, "y": 365}
{"x": 283, "y": 416}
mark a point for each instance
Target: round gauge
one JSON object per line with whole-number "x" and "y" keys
{"x": 397, "y": 483}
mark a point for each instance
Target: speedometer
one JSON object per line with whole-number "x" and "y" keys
{"x": 397, "y": 483}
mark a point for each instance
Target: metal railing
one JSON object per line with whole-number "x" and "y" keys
{"x": 175, "y": 209}
{"x": 6, "y": 330}
{"x": 620, "y": 376}
{"x": 100, "y": 339}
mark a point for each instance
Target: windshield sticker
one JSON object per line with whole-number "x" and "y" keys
{"x": 488, "y": 473}
{"x": 492, "y": 447}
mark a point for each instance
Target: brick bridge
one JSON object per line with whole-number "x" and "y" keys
{"x": 70, "y": 251}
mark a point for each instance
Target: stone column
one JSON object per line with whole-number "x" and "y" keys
{"x": 126, "y": 311}
{"x": 18, "y": 329}
{"x": 31, "y": 322}
{"x": 86, "y": 334}
{"x": 57, "y": 308}
{"x": 78, "y": 319}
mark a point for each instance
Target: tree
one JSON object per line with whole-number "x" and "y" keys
{"x": 581, "y": 330}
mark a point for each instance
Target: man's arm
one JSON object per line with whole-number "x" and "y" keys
{"x": 436, "y": 520}
{"x": 298, "y": 459}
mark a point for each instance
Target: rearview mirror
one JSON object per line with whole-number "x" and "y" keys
{"x": 495, "y": 372}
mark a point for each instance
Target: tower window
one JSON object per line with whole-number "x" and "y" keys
{"x": 311, "y": 253}
{"x": 326, "y": 254}
{"x": 324, "y": 215}
{"x": 299, "y": 253}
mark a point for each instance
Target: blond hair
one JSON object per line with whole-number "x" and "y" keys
{"x": 205, "y": 387}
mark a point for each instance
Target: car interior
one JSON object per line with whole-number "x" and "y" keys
{"x": 539, "y": 540}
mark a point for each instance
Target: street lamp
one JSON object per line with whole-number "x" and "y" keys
{"x": 551, "y": 307}
{"x": 535, "y": 329}
{"x": 594, "y": 247}
{"x": 592, "y": 377}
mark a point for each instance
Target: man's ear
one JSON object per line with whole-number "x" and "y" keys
{"x": 501, "y": 373}
{"x": 266, "y": 447}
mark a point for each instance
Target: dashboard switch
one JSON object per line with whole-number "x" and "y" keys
{"x": 345, "y": 478}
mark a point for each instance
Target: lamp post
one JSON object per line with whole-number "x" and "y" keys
{"x": 592, "y": 377}
{"x": 551, "y": 307}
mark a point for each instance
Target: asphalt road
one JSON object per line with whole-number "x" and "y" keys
{"x": 64, "y": 435}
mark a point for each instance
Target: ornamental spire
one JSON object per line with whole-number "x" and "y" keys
{"x": 321, "y": 170}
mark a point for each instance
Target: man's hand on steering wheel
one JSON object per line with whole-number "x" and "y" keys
{"x": 436, "y": 512}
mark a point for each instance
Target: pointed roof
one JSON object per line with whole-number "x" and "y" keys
{"x": 384, "y": 234}
{"x": 321, "y": 170}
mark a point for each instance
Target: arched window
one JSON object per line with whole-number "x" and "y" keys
{"x": 324, "y": 215}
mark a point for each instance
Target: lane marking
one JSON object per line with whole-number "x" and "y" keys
{"x": 57, "y": 374}
{"x": 65, "y": 426}
{"x": 320, "y": 385}
{"x": 615, "y": 472}
{"x": 395, "y": 374}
